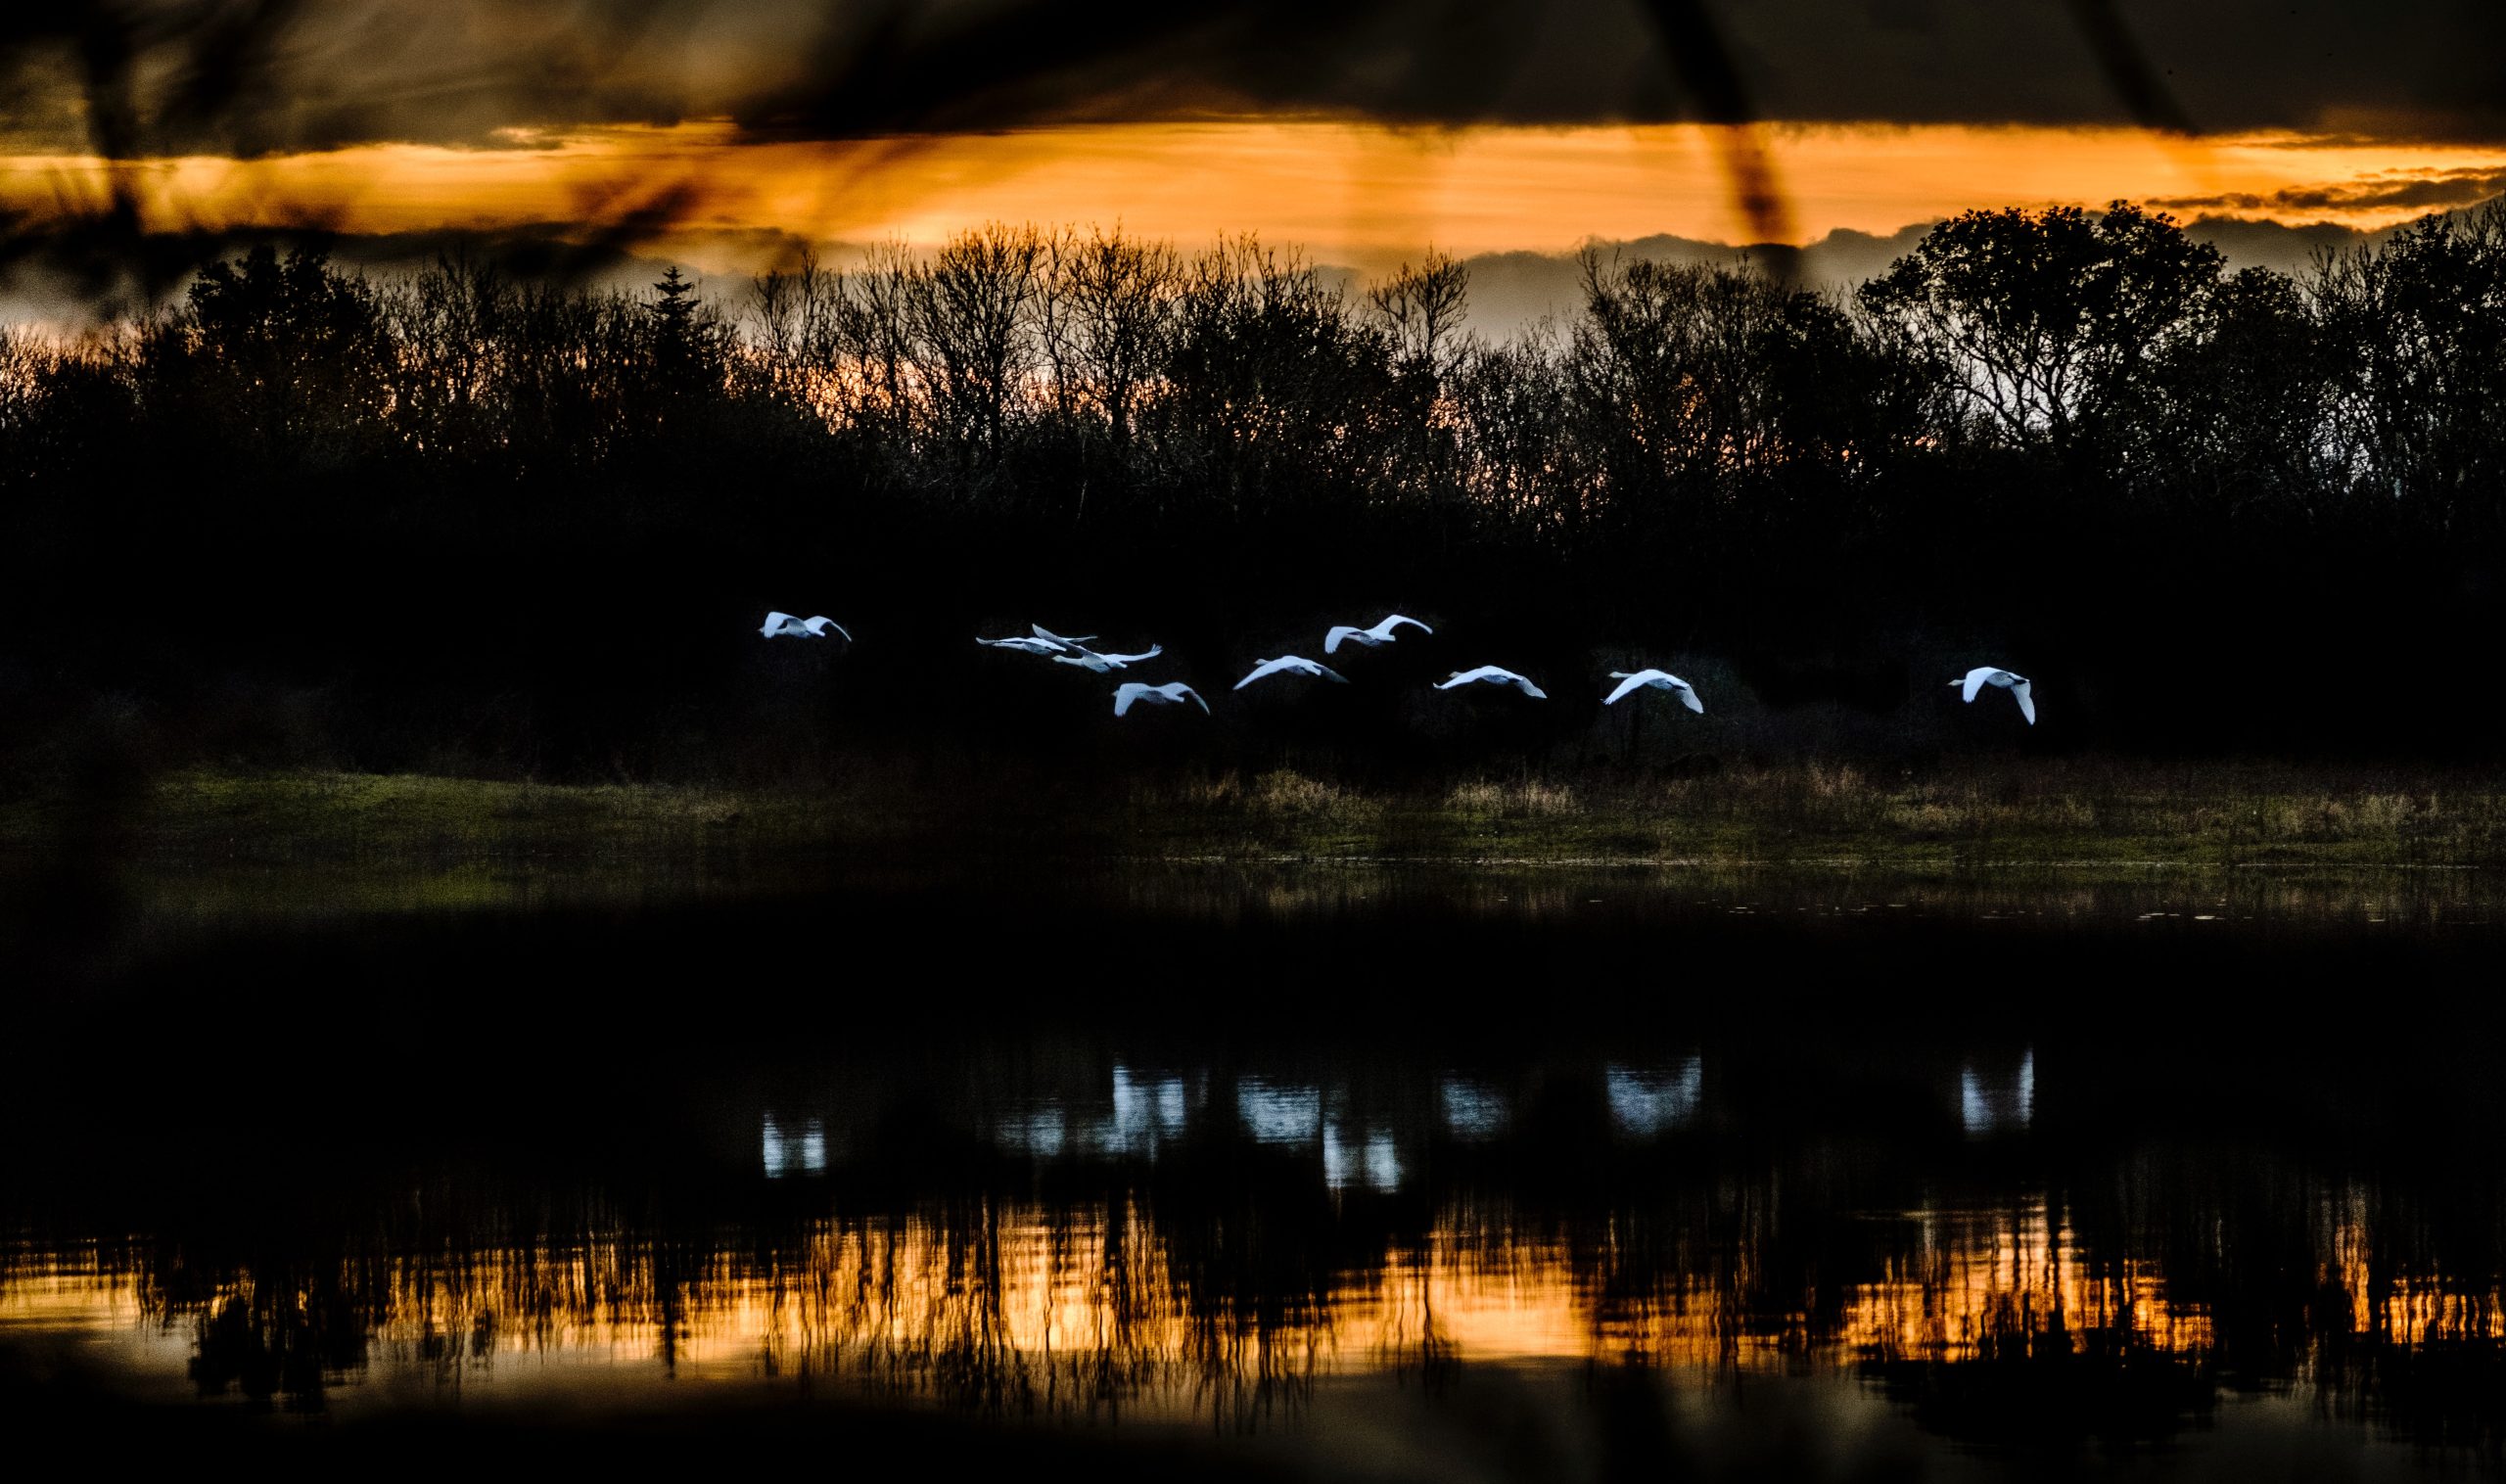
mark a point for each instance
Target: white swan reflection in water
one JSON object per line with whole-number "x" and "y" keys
{"x": 1279, "y": 1112}
{"x": 1370, "y": 1159}
{"x": 1293, "y": 1113}
{"x": 1471, "y": 1111}
{"x": 1145, "y": 1111}
{"x": 1645, "y": 1101}
{"x": 1148, "y": 1110}
{"x": 788, "y": 1154}
{"x": 1986, "y": 1105}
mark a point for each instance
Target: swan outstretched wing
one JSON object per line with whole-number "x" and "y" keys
{"x": 1125, "y": 695}
{"x": 1292, "y": 664}
{"x": 1331, "y": 640}
{"x": 1496, "y": 675}
{"x": 1178, "y": 690}
{"x": 1384, "y": 630}
{"x": 774, "y": 623}
{"x": 1628, "y": 684}
{"x": 1976, "y": 679}
{"x": 1688, "y": 696}
{"x": 2027, "y": 701}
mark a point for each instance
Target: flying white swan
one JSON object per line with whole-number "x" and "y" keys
{"x": 780, "y": 625}
{"x": 1089, "y": 659}
{"x": 1131, "y": 691}
{"x": 1381, "y": 634}
{"x": 1631, "y": 681}
{"x": 1492, "y": 675}
{"x": 1040, "y": 641}
{"x": 1294, "y": 665}
{"x": 1983, "y": 675}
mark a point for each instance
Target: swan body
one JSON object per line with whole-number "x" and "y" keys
{"x": 1631, "y": 681}
{"x": 1133, "y": 693}
{"x": 1089, "y": 659}
{"x": 1291, "y": 665}
{"x": 1972, "y": 683}
{"x": 1490, "y": 674}
{"x": 1381, "y": 634}
{"x": 783, "y": 626}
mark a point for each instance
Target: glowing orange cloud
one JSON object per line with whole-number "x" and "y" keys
{"x": 1351, "y": 192}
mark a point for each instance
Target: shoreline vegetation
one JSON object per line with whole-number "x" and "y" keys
{"x": 1979, "y": 813}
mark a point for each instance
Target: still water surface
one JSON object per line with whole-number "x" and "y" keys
{"x": 1418, "y": 1175}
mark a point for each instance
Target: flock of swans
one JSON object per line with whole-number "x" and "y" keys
{"x": 1073, "y": 650}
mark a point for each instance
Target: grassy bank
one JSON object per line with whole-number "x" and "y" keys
{"x": 2007, "y": 812}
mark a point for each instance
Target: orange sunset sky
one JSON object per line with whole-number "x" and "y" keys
{"x": 1350, "y": 192}
{"x": 728, "y": 134}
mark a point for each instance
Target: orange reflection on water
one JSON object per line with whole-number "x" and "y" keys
{"x": 2392, "y": 1297}
{"x": 2013, "y": 1282}
{"x": 1027, "y": 1307}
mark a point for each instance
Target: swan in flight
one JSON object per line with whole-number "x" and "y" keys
{"x": 1631, "y": 681}
{"x": 779, "y": 625}
{"x": 1491, "y": 675}
{"x": 1983, "y": 675}
{"x": 1294, "y": 665}
{"x": 1131, "y": 691}
{"x": 1381, "y": 634}
{"x": 1089, "y": 659}
{"x": 1040, "y": 641}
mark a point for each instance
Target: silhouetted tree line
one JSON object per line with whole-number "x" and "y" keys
{"x": 528, "y": 520}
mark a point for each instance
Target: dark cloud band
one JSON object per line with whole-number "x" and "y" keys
{"x": 2432, "y": 191}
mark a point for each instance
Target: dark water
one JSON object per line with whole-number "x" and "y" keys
{"x": 1332, "y": 1173}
